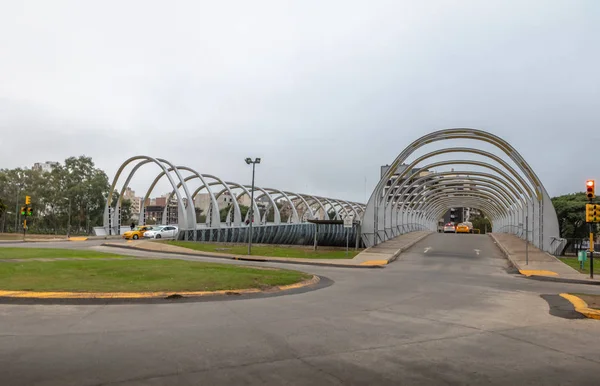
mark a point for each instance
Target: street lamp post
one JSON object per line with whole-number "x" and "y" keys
{"x": 251, "y": 210}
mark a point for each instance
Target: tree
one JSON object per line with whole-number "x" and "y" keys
{"x": 570, "y": 210}
{"x": 77, "y": 182}
{"x": 481, "y": 222}
{"x": 2, "y": 214}
{"x": 224, "y": 211}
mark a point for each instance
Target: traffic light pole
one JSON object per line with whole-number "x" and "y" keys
{"x": 591, "y": 250}
{"x": 591, "y": 219}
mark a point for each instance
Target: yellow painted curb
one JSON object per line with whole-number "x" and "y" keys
{"x": 537, "y": 272}
{"x": 78, "y": 238}
{"x": 374, "y": 262}
{"x": 146, "y": 295}
{"x": 582, "y": 307}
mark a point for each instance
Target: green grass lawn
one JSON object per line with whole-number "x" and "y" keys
{"x": 19, "y": 236}
{"x": 270, "y": 251}
{"x": 574, "y": 263}
{"x": 138, "y": 276}
{"x": 48, "y": 253}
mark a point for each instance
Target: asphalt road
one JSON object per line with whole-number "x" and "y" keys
{"x": 447, "y": 312}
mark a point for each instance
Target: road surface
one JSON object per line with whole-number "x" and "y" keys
{"x": 447, "y": 312}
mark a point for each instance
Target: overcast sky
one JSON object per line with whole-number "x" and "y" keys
{"x": 324, "y": 91}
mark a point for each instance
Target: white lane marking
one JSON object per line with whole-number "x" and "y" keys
{"x": 477, "y": 251}
{"x": 427, "y": 249}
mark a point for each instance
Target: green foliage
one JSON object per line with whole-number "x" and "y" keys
{"x": 482, "y": 223}
{"x": 75, "y": 190}
{"x": 570, "y": 210}
{"x": 224, "y": 211}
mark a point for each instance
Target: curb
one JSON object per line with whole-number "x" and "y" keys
{"x": 405, "y": 247}
{"x": 152, "y": 295}
{"x": 582, "y": 307}
{"x": 540, "y": 277}
{"x": 244, "y": 258}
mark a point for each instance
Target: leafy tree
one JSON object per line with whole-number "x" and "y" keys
{"x": 570, "y": 210}
{"x": 224, "y": 211}
{"x": 481, "y": 222}
{"x": 76, "y": 188}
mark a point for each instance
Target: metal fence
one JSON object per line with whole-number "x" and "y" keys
{"x": 333, "y": 235}
{"x": 575, "y": 245}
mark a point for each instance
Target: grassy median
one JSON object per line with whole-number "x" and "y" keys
{"x": 574, "y": 263}
{"x": 138, "y": 276}
{"x": 269, "y": 251}
{"x": 51, "y": 253}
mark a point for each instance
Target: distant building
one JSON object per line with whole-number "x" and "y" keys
{"x": 45, "y": 167}
{"x": 136, "y": 203}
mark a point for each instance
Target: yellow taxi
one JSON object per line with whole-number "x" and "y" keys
{"x": 137, "y": 232}
{"x": 462, "y": 228}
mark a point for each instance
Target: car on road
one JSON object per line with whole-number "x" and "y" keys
{"x": 449, "y": 228}
{"x": 137, "y": 232}
{"x": 161, "y": 232}
{"x": 463, "y": 228}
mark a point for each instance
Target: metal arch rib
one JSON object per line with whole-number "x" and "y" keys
{"x": 295, "y": 218}
{"x": 310, "y": 211}
{"x": 319, "y": 203}
{"x": 502, "y": 173}
{"x": 494, "y": 157}
{"x": 245, "y": 191}
{"x": 459, "y": 133}
{"x": 469, "y": 175}
{"x": 482, "y": 198}
{"x": 461, "y": 180}
{"x": 160, "y": 162}
{"x": 272, "y": 204}
{"x": 482, "y": 194}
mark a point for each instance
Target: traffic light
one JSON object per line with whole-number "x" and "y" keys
{"x": 590, "y": 189}
{"x": 27, "y": 200}
{"x": 23, "y": 210}
{"x": 592, "y": 213}
{"x": 29, "y": 211}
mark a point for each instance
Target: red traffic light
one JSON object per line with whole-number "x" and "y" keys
{"x": 591, "y": 189}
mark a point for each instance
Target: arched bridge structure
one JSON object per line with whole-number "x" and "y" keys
{"x": 280, "y": 216}
{"x": 411, "y": 197}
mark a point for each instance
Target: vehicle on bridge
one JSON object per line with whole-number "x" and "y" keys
{"x": 162, "y": 232}
{"x": 449, "y": 228}
{"x": 463, "y": 228}
{"x": 137, "y": 233}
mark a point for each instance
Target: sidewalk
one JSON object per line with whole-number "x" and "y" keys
{"x": 370, "y": 257}
{"x": 389, "y": 251}
{"x": 541, "y": 264}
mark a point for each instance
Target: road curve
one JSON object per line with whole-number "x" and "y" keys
{"x": 448, "y": 311}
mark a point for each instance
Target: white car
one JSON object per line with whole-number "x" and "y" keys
{"x": 161, "y": 232}
{"x": 449, "y": 228}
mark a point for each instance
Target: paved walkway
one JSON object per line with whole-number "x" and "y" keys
{"x": 389, "y": 251}
{"x": 375, "y": 256}
{"x": 540, "y": 262}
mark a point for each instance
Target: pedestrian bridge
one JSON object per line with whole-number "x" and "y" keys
{"x": 412, "y": 195}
